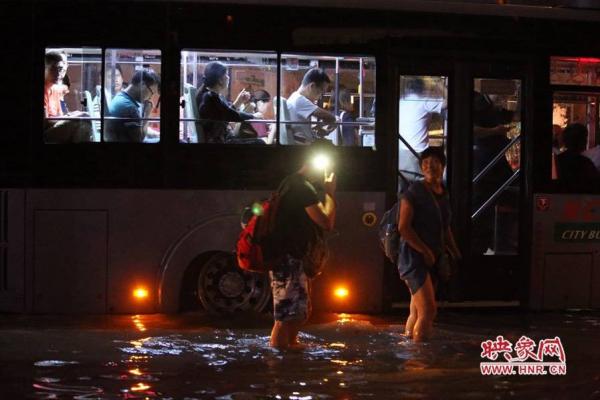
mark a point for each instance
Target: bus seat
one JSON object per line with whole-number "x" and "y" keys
{"x": 94, "y": 112}
{"x": 286, "y": 136}
{"x": 196, "y": 132}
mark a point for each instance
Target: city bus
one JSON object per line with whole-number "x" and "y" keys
{"x": 89, "y": 224}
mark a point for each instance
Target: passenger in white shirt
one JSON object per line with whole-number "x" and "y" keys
{"x": 302, "y": 107}
{"x": 415, "y": 114}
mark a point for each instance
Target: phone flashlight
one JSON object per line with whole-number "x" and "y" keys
{"x": 321, "y": 162}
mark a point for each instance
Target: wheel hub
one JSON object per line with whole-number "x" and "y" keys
{"x": 231, "y": 284}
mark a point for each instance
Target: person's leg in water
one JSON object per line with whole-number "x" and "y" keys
{"x": 291, "y": 304}
{"x": 293, "y": 332}
{"x": 424, "y": 299}
{"x": 305, "y": 304}
{"x": 412, "y": 318}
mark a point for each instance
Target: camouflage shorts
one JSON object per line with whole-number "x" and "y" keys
{"x": 291, "y": 291}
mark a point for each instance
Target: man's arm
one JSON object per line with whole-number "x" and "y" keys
{"x": 324, "y": 115}
{"x": 323, "y": 213}
{"x": 481, "y": 132}
{"x": 327, "y": 121}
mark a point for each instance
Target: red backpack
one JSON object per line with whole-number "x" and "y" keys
{"x": 252, "y": 254}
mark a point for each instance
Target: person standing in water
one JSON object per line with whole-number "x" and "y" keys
{"x": 302, "y": 219}
{"x": 424, "y": 226}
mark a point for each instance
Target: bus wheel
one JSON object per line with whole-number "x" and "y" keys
{"x": 224, "y": 288}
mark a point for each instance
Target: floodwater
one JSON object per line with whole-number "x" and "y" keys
{"x": 348, "y": 357}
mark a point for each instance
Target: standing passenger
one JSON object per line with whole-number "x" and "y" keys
{"x": 416, "y": 112}
{"x": 349, "y": 132}
{"x": 575, "y": 171}
{"x": 302, "y": 107}
{"x": 300, "y": 223}
{"x": 424, "y": 226}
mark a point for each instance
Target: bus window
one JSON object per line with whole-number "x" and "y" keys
{"x": 227, "y": 97}
{"x": 131, "y": 95}
{"x": 575, "y": 108}
{"x": 496, "y": 166}
{"x": 422, "y": 122}
{"x": 330, "y": 97}
{"x": 581, "y": 71}
{"x": 70, "y": 76}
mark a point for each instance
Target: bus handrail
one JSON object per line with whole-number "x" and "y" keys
{"x": 409, "y": 147}
{"x": 496, "y": 194}
{"x": 495, "y": 160}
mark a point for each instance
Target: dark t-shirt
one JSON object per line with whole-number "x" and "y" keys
{"x": 294, "y": 230}
{"x": 575, "y": 171}
{"x": 128, "y": 129}
{"x": 426, "y": 216}
{"x": 215, "y": 113}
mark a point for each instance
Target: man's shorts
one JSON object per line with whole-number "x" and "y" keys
{"x": 291, "y": 291}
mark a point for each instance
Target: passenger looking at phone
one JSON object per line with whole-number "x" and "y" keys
{"x": 259, "y": 102}
{"x": 130, "y": 107}
{"x": 69, "y": 129}
{"x": 216, "y": 112}
{"x": 302, "y": 108}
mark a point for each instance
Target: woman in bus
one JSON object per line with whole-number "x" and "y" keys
{"x": 215, "y": 112}
{"x": 424, "y": 226}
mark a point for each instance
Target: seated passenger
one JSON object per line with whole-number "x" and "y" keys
{"x": 260, "y": 101}
{"x": 215, "y": 112}
{"x": 302, "y": 107}
{"x": 130, "y": 106}
{"x": 70, "y": 129}
{"x": 574, "y": 170}
{"x": 55, "y": 71}
{"x": 347, "y": 114}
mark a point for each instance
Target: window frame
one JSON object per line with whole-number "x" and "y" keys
{"x": 101, "y": 118}
{"x": 279, "y": 55}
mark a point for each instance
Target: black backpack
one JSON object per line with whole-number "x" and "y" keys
{"x": 389, "y": 237}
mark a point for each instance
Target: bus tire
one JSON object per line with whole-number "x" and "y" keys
{"x": 223, "y": 288}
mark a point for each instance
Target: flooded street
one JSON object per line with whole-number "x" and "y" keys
{"x": 348, "y": 357}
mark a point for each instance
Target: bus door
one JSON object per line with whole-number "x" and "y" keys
{"x": 474, "y": 114}
{"x": 422, "y": 121}
{"x": 493, "y": 214}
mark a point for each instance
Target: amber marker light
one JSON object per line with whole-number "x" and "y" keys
{"x": 341, "y": 292}
{"x": 140, "y": 387}
{"x": 140, "y": 293}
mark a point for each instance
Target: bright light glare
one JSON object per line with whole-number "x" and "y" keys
{"x": 257, "y": 209}
{"x": 140, "y": 387}
{"x": 341, "y": 292}
{"x": 321, "y": 162}
{"x": 140, "y": 293}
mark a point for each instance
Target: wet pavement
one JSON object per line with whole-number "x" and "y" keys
{"x": 194, "y": 356}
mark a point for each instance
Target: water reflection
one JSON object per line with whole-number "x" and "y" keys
{"x": 347, "y": 358}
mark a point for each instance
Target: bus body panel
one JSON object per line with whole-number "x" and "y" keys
{"x": 565, "y": 267}
{"x": 12, "y": 256}
{"x": 87, "y": 250}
